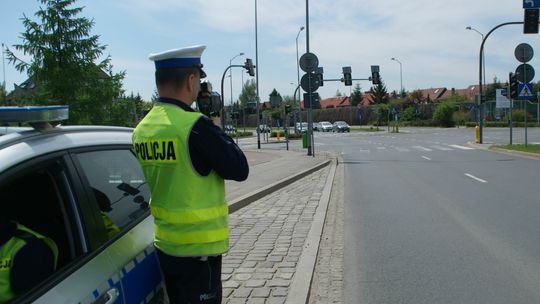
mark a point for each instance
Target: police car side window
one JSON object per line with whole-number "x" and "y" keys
{"x": 118, "y": 186}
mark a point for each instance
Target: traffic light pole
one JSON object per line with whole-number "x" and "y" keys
{"x": 480, "y": 65}
{"x": 222, "y": 98}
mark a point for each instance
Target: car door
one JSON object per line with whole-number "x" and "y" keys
{"x": 44, "y": 195}
{"x": 115, "y": 181}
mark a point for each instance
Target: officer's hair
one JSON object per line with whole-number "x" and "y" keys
{"x": 173, "y": 76}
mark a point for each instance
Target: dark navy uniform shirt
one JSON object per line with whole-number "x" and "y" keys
{"x": 211, "y": 149}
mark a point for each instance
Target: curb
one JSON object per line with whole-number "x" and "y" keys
{"x": 300, "y": 286}
{"x": 523, "y": 154}
{"x": 243, "y": 201}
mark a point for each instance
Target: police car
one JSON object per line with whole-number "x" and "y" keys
{"x": 82, "y": 187}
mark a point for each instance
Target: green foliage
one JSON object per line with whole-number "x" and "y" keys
{"x": 248, "y": 95}
{"x": 409, "y": 114}
{"x": 491, "y": 89}
{"x": 64, "y": 63}
{"x": 380, "y": 94}
{"x": 461, "y": 117}
{"x": 444, "y": 115}
{"x": 518, "y": 115}
{"x": 338, "y": 93}
{"x": 382, "y": 114}
{"x": 356, "y": 96}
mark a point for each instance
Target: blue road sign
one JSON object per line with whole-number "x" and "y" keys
{"x": 525, "y": 90}
{"x": 531, "y": 3}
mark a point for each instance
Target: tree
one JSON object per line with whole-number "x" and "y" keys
{"x": 64, "y": 62}
{"x": 356, "y": 96}
{"x": 248, "y": 96}
{"x": 380, "y": 94}
{"x": 3, "y": 94}
{"x": 492, "y": 89}
{"x": 338, "y": 93}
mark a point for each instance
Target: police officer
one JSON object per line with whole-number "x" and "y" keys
{"x": 185, "y": 157}
{"x": 26, "y": 259}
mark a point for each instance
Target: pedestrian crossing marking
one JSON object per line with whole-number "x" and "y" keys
{"x": 461, "y": 147}
{"x": 441, "y": 148}
{"x": 422, "y": 148}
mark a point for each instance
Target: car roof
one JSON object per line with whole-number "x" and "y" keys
{"x": 20, "y": 146}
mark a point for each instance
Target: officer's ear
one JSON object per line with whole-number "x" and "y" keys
{"x": 192, "y": 82}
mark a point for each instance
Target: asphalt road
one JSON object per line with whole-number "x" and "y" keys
{"x": 429, "y": 219}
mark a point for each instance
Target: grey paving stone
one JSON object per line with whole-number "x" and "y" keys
{"x": 230, "y": 284}
{"x": 242, "y": 292}
{"x": 280, "y": 292}
{"x": 242, "y": 276}
{"x": 279, "y": 283}
{"x": 255, "y": 283}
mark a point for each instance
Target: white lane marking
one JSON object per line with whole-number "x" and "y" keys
{"x": 381, "y": 148}
{"x": 425, "y": 157}
{"x": 401, "y": 149}
{"x": 461, "y": 147}
{"x": 422, "y": 148}
{"x": 364, "y": 151}
{"x": 475, "y": 178}
{"x": 441, "y": 148}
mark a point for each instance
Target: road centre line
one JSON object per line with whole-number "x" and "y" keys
{"x": 475, "y": 178}
{"x": 425, "y": 157}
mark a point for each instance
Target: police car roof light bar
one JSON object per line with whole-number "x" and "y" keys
{"x": 36, "y": 116}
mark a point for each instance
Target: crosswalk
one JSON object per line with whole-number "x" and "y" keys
{"x": 428, "y": 148}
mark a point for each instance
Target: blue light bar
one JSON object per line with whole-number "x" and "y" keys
{"x": 33, "y": 114}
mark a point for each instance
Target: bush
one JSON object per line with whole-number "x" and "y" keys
{"x": 409, "y": 114}
{"x": 461, "y": 118}
{"x": 444, "y": 115}
{"x": 518, "y": 115}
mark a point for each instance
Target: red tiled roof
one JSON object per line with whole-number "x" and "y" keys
{"x": 339, "y": 101}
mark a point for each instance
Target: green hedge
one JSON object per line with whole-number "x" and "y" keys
{"x": 502, "y": 124}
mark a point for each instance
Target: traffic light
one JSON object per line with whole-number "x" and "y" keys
{"x": 375, "y": 77}
{"x": 347, "y": 77}
{"x": 287, "y": 108}
{"x": 513, "y": 86}
{"x": 319, "y": 73}
{"x": 248, "y": 65}
{"x": 530, "y": 23}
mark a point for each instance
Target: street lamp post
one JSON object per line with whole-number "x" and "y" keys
{"x": 470, "y": 28}
{"x": 298, "y": 70}
{"x": 230, "y": 74}
{"x": 257, "y": 78}
{"x": 4, "y": 72}
{"x": 400, "y": 75}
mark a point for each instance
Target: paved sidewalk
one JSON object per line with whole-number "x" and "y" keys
{"x": 267, "y": 240}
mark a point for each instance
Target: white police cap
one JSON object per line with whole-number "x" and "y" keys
{"x": 187, "y": 57}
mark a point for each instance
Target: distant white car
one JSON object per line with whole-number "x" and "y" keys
{"x": 326, "y": 126}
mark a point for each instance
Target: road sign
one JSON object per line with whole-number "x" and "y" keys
{"x": 309, "y": 62}
{"x": 524, "y": 52}
{"x": 531, "y": 3}
{"x": 525, "y": 91}
{"x": 501, "y": 101}
{"x": 525, "y": 73}
{"x": 310, "y": 82}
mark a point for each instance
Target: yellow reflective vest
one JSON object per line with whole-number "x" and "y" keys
{"x": 8, "y": 251}
{"x": 190, "y": 211}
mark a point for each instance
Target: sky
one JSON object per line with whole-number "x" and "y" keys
{"x": 428, "y": 38}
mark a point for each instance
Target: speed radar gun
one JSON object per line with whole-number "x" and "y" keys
{"x": 208, "y": 102}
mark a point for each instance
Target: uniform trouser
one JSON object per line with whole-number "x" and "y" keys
{"x": 191, "y": 280}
